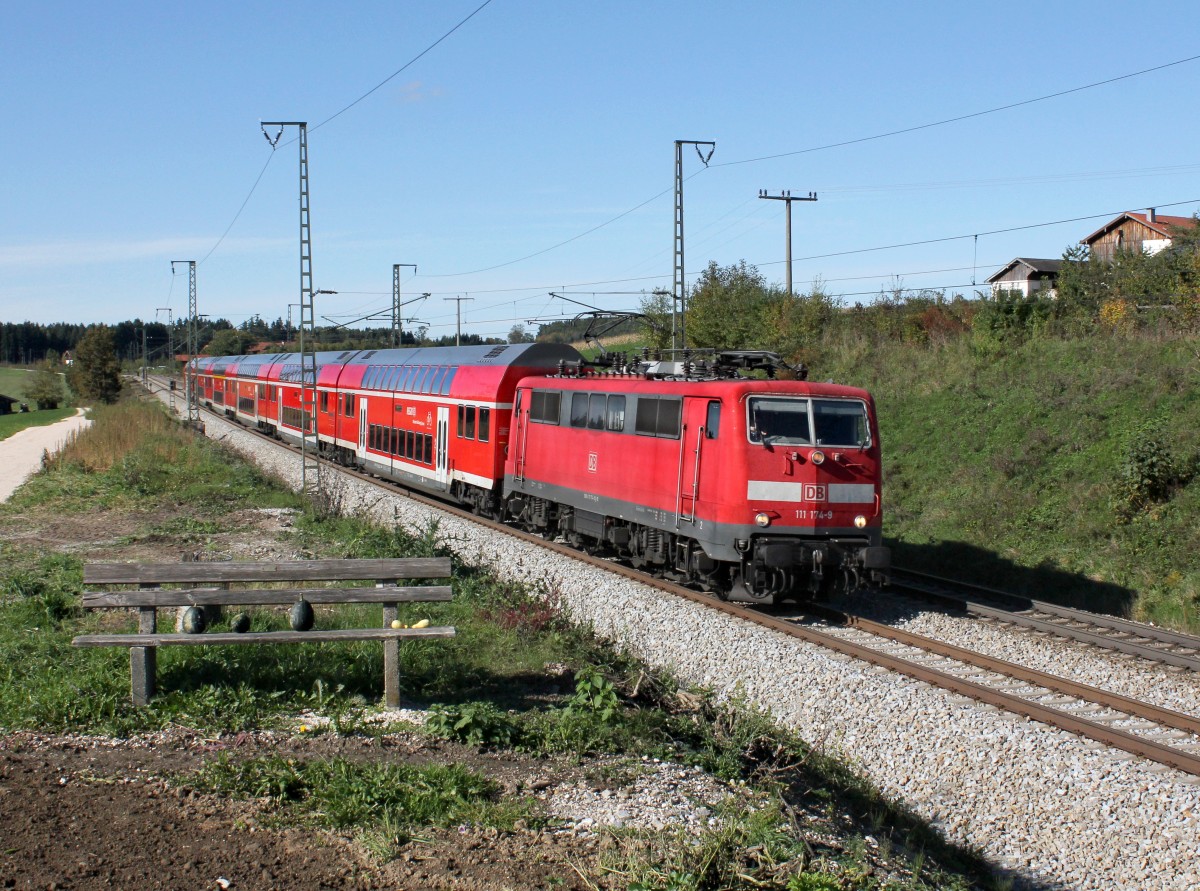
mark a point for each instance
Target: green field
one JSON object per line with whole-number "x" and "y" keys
{"x": 13, "y": 382}
{"x": 10, "y": 424}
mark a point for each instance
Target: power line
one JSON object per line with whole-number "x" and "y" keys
{"x": 887, "y": 247}
{"x": 391, "y": 76}
{"x": 403, "y": 67}
{"x": 819, "y": 148}
{"x": 240, "y": 209}
{"x": 561, "y": 243}
{"x": 964, "y": 117}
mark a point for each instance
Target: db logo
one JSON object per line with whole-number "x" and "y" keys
{"x": 593, "y": 460}
{"x": 814, "y": 493}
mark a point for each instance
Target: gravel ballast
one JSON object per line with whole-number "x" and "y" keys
{"x": 1051, "y": 807}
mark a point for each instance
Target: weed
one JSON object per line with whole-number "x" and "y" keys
{"x": 594, "y": 694}
{"x": 473, "y": 723}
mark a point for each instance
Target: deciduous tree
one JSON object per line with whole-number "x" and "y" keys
{"x": 96, "y": 374}
{"x": 45, "y": 386}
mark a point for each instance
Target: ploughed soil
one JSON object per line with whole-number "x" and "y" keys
{"x": 82, "y": 813}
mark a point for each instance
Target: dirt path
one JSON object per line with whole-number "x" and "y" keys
{"x": 21, "y": 453}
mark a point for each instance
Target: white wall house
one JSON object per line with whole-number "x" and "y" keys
{"x": 1026, "y": 275}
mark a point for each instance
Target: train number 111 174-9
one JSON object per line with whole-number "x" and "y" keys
{"x": 814, "y": 515}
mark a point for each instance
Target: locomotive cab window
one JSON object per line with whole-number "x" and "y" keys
{"x": 840, "y": 422}
{"x": 782, "y": 421}
{"x": 712, "y": 422}
{"x": 779, "y": 420}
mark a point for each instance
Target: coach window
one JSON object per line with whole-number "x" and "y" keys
{"x": 462, "y": 413}
{"x": 616, "y": 414}
{"x": 436, "y": 386}
{"x": 712, "y": 424}
{"x": 470, "y": 434}
{"x": 325, "y": 401}
{"x": 579, "y": 409}
{"x": 485, "y": 424}
{"x": 349, "y": 411}
{"x": 446, "y": 381}
{"x": 422, "y": 385}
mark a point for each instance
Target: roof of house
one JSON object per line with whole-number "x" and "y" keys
{"x": 1162, "y": 224}
{"x": 4, "y": 398}
{"x": 1035, "y": 264}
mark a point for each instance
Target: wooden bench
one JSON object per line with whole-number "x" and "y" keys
{"x": 214, "y": 581}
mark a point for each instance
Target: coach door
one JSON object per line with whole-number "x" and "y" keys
{"x": 441, "y": 459}
{"x": 362, "y": 425}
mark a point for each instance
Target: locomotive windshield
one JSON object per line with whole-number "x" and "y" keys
{"x": 781, "y": 421}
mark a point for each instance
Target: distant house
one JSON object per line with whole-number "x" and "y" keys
{"x": 1026, "y": 275}
{"x": 68, "y": 358}
{"x": 1147, "y": 233}
{"x": 6, "y": 404}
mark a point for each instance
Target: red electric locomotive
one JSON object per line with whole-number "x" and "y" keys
{"x": 759, "y": 488}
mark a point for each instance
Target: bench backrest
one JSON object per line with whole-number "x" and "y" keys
{"x": 284, "y": 571}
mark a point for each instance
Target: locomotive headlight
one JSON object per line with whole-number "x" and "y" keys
{"x": 817, "y": 456}
{"x": 762, "y": 519}
{"x": 860, "y": 522}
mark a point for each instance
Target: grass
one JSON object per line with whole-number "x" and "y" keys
{"x": 14, "y": 380}
{"x": 383, "y": 801}
{"x": 15, "y": 423}
{"x": 491, "y": 681}
{"x": 1011, "y": 469}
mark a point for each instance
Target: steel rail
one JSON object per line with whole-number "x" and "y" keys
{"x": 1133, "y": 707}
{"x": 1109, "y": 736}
{"x": 1116, "y": 623}
{"x": 1099, "y": 639}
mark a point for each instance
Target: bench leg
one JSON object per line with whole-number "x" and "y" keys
{"x": 143, "y": 664}
{"x": 143, "y": 661}
{"x": 391, "y": 661}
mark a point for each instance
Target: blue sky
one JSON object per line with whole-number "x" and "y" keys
{"x": 131, "y": 138}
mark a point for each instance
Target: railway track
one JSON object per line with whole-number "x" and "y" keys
{"x": 1108, "y": 632}
{"x": 1139, "y": 728}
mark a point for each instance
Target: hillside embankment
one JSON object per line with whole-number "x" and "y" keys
{"x": 1061, "y": 467}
